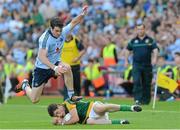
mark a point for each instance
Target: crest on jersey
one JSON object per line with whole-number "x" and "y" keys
{"x": 136, "y": 41}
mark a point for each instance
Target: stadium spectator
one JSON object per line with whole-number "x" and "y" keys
{"x": 72, "y": 52}
{"x": 93, "y": 78}
{"x": 2, "y": 79}
{"x": 163, "y": 68}
{"x": 47, "y": 10}
{"x": 176, "y": 71}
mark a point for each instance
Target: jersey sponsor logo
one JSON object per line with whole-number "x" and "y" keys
{"x": 147, "y": 41}
{"x": 136, "y": 41}
{"x": 57, "y": 49}
{"x": 57, "y": 46}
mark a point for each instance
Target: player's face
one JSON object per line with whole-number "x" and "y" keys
{"x": 177, "y": 59}
{"x": 56, "y": 31}
{"x": 140, "y": 30}
{"x": 60, "y": 112}
{"x": 161, "y": 61}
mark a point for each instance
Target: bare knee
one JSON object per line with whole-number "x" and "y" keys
{"x": 90, "y": 121}
{"x": 100, "y": 108}
{"x": 68, "y": 68}
{"x": 35, "y": 100}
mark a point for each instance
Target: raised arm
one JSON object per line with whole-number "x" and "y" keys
{"x": 74, "y": 118}
{"x": 126, "y": 57}
{"x": 155, "y": 55}
{"x": 79, "y": 18}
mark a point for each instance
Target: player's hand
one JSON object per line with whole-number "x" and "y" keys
{"x": 84, "y": 10}
{"x": 60, "y": 69}
{"x": 57, "y": 120}
{"x": 154, "y": 61}
{"x": 75, "y": 60}
{"x": 126, "y": 63}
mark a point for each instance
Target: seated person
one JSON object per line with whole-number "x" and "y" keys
{"x": 94, "y": 77}
{"x": 87, "y": 112}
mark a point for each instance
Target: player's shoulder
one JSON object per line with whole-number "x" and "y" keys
{"x": 69, "y": 104}
{"x": 150, "y": 39}
{"x": 133, "y": 40}
{"x": 44, "y": 36}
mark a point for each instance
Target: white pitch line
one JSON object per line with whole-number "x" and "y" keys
{"x": 42, "y": 121}
{"x": 91, "y": 129}
{"x": 44, "y": 106}
{"x": 162, "y": 111}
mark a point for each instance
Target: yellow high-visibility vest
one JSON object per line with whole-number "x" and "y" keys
{"x": 69, "y": 52}
{"x": 163, "y": 70}
{"x": 176, "y": 73}
{"x": 9, "y": 68}
{"x": 108, "y": 55}
{"x": 29, "y": 66}
{"x": 20, "y": 70}
{"x": 95, "y": 75}
{"x": 29, "y": 53}
{"x": 127, "y": 72}
{"x": 93, "y": 72}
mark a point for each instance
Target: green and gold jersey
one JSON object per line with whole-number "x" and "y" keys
{"x": 83, "y": 109}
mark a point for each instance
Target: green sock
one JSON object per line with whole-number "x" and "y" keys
{"x": 116, "y": 121}
{"x": 125, "y": 108}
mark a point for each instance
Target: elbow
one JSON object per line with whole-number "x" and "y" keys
{"x": 75, "y": 120}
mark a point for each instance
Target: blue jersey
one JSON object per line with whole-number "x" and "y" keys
{"x": 52, "y": 45}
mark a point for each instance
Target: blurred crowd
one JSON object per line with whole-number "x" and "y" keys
{"x": 23, "y": 21}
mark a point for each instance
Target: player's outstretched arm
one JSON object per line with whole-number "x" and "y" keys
{"x": 79, "y": 18}
{"x": 74, "y": 118}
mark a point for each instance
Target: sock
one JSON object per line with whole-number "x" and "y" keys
{"x": 70, "y": 93}
{"x": 125, "y": 108}
{"x": 116, "y": 121}
{"x": 24, "y": 86}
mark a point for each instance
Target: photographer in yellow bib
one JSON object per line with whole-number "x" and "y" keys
{"x": 72, "y": 52}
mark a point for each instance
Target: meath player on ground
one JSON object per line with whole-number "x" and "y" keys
{"x": 87, "y": 112}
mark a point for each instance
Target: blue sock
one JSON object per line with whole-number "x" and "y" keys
{"x": 70, "y": 93}
{"x": 24, "y": 86}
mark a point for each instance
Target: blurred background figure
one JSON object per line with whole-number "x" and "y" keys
{"x": 2, "y": 79}
{"x": 72, "y": 52}
{"x": 163, "y": 68}
{"x": 144, "y": 49}
{"x": 176, "y": 71}
{"x": 94, "y": 83}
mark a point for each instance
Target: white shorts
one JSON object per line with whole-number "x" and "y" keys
{"x": 94, "y": 115}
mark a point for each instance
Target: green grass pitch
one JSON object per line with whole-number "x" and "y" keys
{"x": 19, "y": 113}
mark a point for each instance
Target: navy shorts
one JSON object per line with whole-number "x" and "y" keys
{"x": 41, "y": 76}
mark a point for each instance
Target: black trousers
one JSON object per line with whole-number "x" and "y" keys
{"x": 142, "y": 77}
{"x": 87, "y": 84}
{"x": 1, "y": 94}
{"x": 76, "y": 81}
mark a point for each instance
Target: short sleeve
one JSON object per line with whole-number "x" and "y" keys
{"x": 43, "y": 43}
{"x": 154, "y": 45}
{"x": 129, "y": 46}
{"x": 69, "y": 105}
{"x": 79, "y": 45}
{"x": 66, "y": 29}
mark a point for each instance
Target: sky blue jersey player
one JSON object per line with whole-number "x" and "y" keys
{"x": 48, "y": 64}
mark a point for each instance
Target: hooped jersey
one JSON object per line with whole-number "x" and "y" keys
{"x": 83, "y": 109}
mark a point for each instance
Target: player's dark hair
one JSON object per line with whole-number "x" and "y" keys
{"x": 51, "y": 108}
{"x": 56, "y": 22}
{"x": 177, "y": 53}
{"x": 140, "y": 24}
